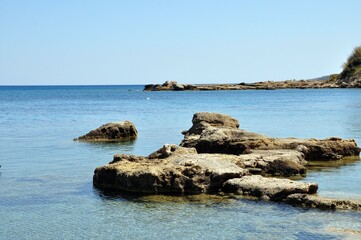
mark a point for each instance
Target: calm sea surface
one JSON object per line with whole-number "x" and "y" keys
{"x": 46, "y": 187}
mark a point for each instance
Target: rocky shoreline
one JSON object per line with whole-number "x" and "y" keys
{"x": 331, "y": 82}
{"x": 216, "y": 156}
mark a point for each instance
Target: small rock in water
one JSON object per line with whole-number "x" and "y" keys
{"x": 115, "y": 131}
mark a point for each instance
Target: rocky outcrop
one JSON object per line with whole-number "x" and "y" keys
{"x": 273, "y": 189}
{"x": 314, "y": 201}
{"x": 115, "y": 131}
{"x": 217, "y": 156}
{"x": 225, "y": 138}
{"x": 178, "y": 171}
{"x": 203, "y": 120}
{"x": 169, "y": 86}
{"x": 352, "y": 81}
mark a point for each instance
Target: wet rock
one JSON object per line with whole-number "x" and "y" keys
{"x": 115, "y": 131}
{"x": 275, "y": 189}
{"x": 314, "y": 201}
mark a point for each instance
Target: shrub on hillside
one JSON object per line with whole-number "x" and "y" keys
{"x": 352, "y": 66}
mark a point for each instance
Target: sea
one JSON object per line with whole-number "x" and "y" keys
{"x": 46, "y": 189}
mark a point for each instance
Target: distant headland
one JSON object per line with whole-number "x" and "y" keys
{"x": 350, "y": 77}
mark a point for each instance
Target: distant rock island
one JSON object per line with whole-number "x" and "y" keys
{"x": 350, "y": 77}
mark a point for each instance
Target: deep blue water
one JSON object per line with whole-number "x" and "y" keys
{"x": 46, "y": 187}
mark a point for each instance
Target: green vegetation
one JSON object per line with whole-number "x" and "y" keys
{"x": 352, "y": 66}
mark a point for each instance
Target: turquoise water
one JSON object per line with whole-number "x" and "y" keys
{"x": 46, "y": 187}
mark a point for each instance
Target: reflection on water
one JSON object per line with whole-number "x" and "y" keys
{"x": 318, "y": 166}
{"x": 208, "y": 199}
{"x": 126, "y": 146}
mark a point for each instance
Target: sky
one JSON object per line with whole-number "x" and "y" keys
{"x": 88, "y": 42}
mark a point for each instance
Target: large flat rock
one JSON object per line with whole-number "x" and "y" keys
{"x": 182, "y": 172}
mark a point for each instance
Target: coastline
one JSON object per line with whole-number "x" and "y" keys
{"x": 266, "y": 85}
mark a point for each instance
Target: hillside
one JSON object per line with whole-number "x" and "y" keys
{"x": 351, "y": 73}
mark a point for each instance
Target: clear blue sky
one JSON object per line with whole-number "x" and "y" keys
{"x": 138, "y": 42}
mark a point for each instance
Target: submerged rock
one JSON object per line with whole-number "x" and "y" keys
{"x": 314, "y": 201}
{"x": 225, "y": 138}
{"x": 115, "y": 131}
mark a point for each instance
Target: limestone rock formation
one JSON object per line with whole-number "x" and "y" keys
{"x": 225, "y": 138}
{"x": 115, "y": 131}
{"x": 217, "y": 156}
{"x": 284, "y": 163}
{"x": 181, "y": 172}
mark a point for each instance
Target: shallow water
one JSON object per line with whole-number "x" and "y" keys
{"x": 46, "y": 178}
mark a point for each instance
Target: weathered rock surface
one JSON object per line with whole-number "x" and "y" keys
{"x": 183, "y": 171}
{"x": 274, "y": 162}
{"x": 224, "y": 138}
{"x": 179, "y": 170}
{"x": 314, "y": 201}
{"x": 115, "y": 131}
{"x": 203, "y": 120}
{"x": 274, "y": 189}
